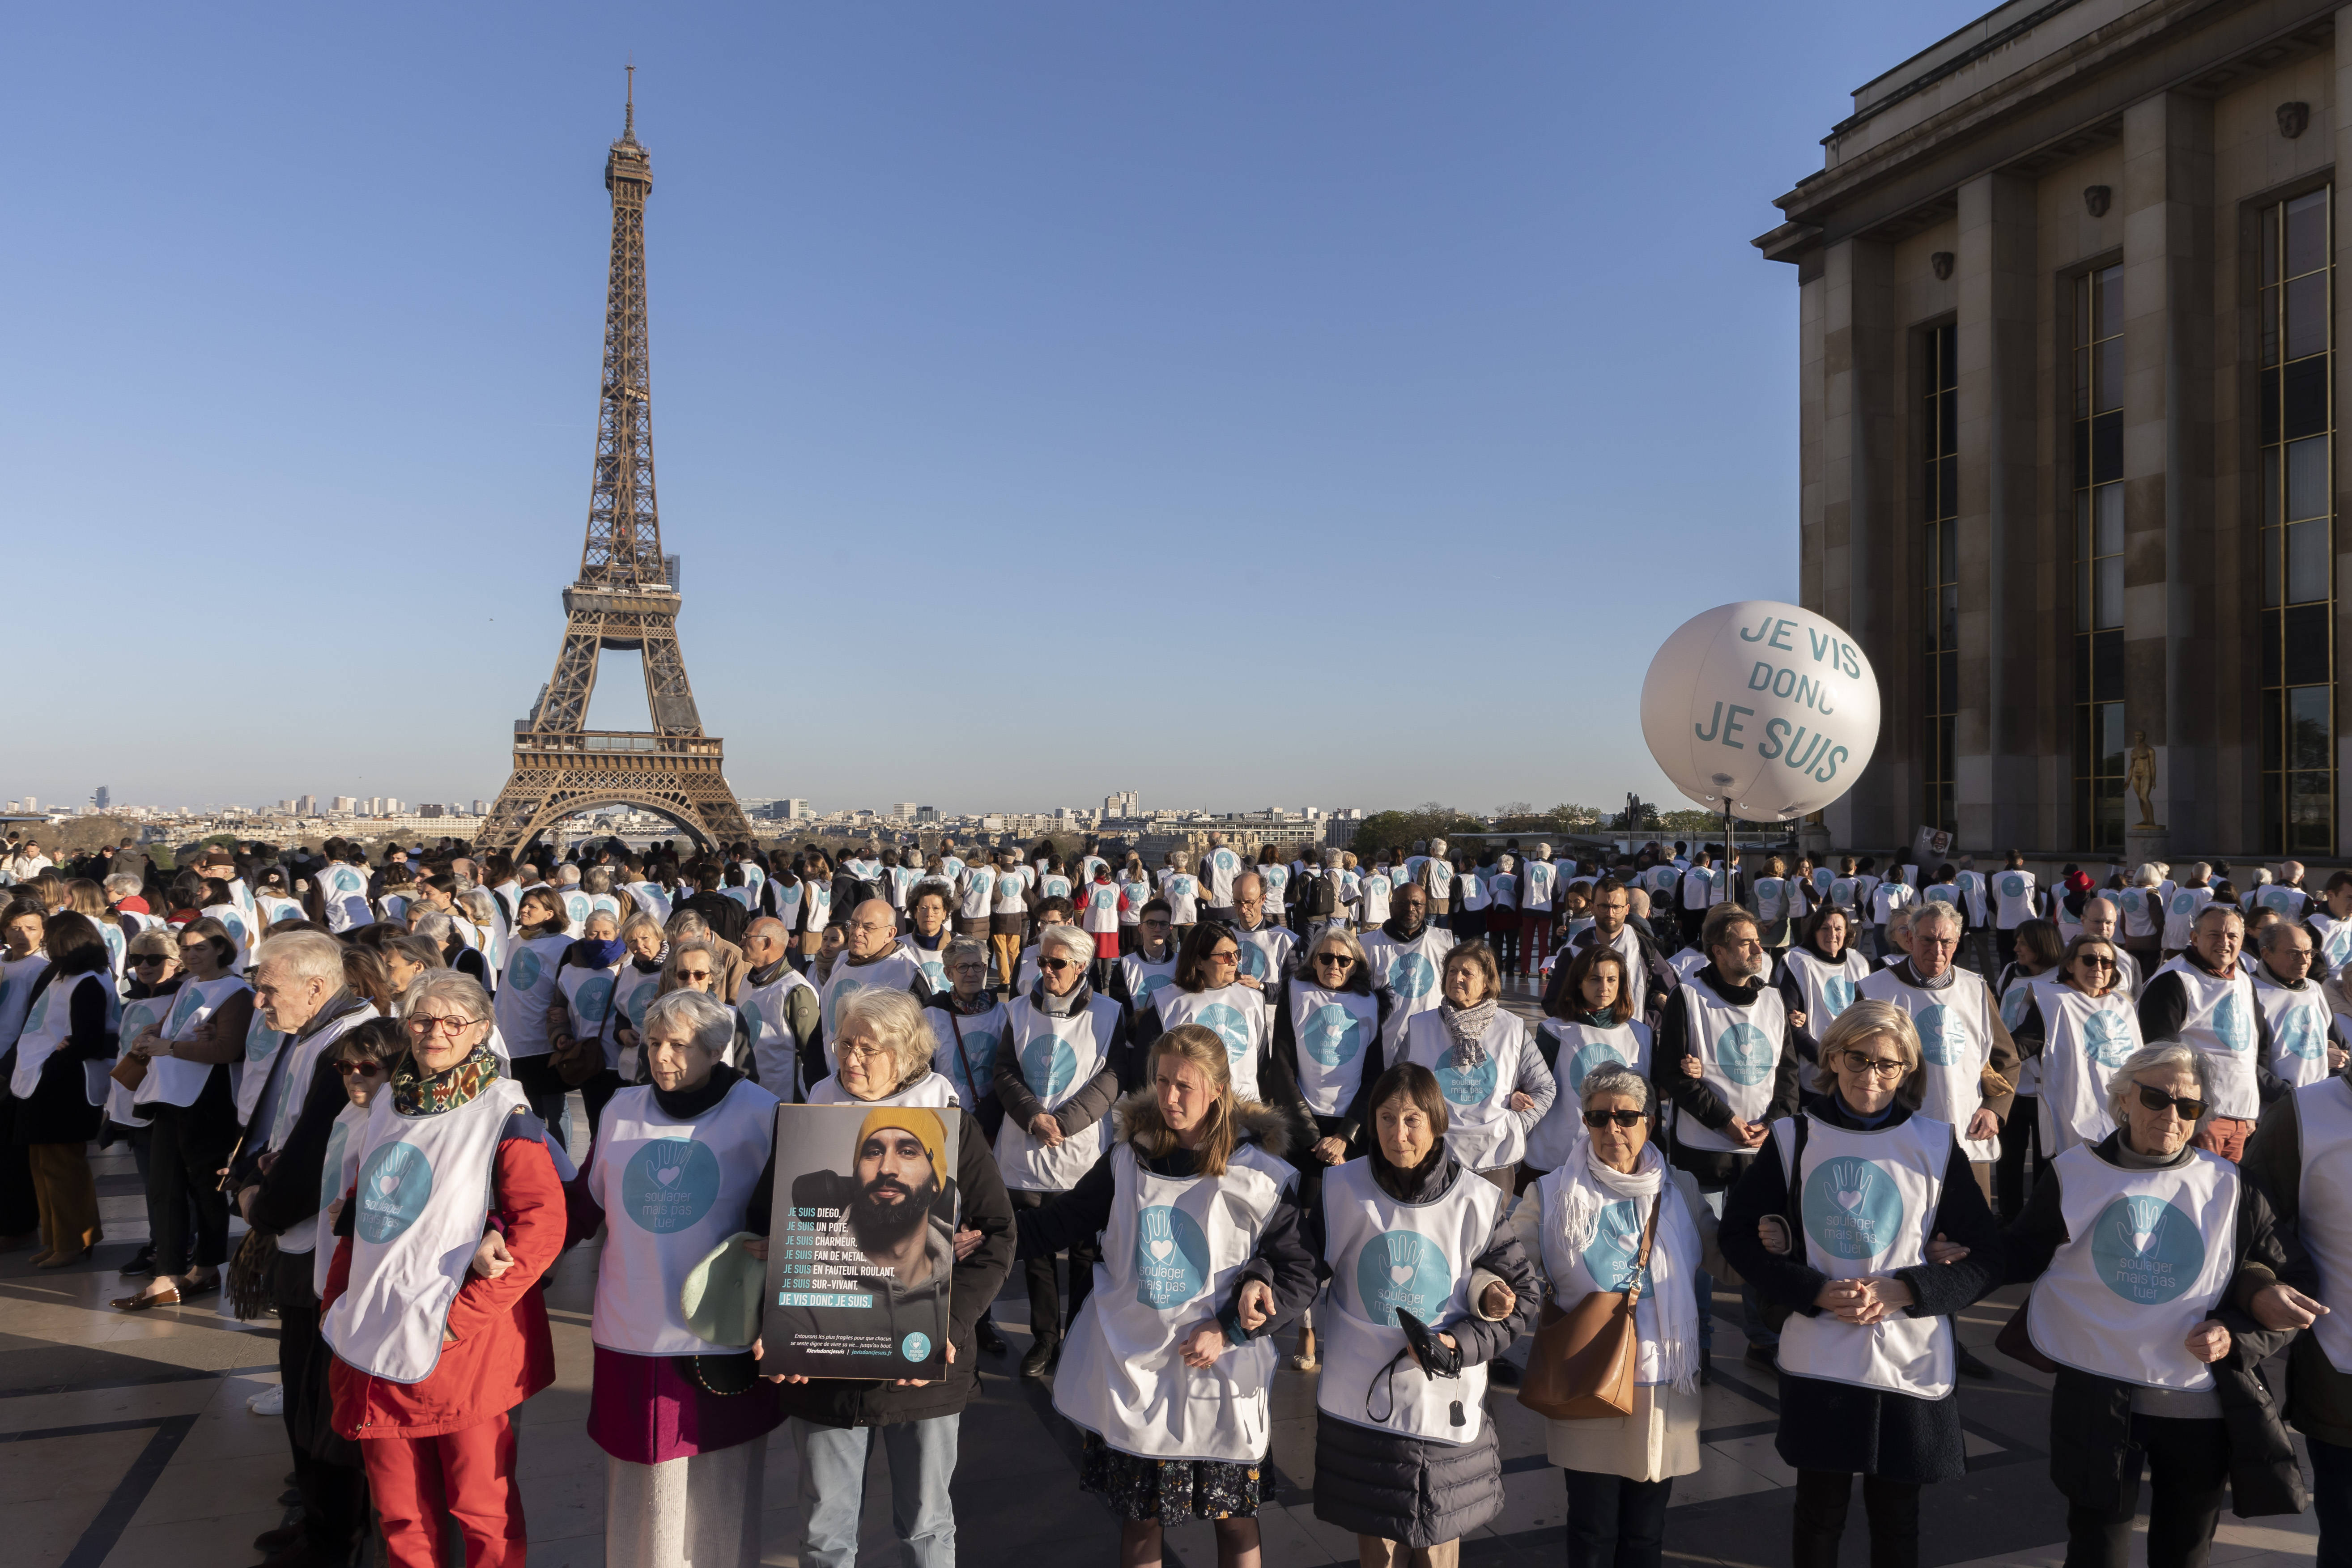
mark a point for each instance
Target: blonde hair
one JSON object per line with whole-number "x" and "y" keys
{"x": 894, "y": 1019}
{"x": 1866, "y": 1018}
{"x": 1206, "y": 1051}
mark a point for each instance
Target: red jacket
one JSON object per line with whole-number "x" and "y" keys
{"x": 503, "y": 1353}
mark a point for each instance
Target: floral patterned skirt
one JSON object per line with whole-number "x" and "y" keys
{"x": 1174, "y": 1490}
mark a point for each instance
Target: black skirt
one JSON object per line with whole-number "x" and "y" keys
{"x": 1171, "y": 1491}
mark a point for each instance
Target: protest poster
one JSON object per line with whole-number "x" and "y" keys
{"x": 861, "y": 1248}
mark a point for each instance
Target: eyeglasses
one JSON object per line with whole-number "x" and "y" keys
{"x": 1233, "y": 957}
{"x": 693, "y": 974}
{"x": 1342, "y": 959}
{"x": 1878, "y": 1067}
{"x": 1622, "y": 1118}
{"x": 2157, "y": 1099}
{"x": 2093, "y": 960}
{"x": 1054, "y": 965}
{"x": 439, "y": 1024}
{"x": 360, "y": 1069}
{"x": 144, "y": 959}
{"x": 860, "y": 1053}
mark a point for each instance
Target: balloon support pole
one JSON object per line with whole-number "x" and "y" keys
{"x": 1729, "y": 893}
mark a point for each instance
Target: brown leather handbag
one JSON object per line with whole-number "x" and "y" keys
{"x": 1581, "y": 1366}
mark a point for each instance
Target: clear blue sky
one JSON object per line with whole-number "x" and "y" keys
{"x": 1241, "y": 403}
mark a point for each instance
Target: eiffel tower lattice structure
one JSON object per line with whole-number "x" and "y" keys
{"x": 624, "y": 599}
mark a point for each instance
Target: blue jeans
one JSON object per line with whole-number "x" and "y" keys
{"x": 2331, "y": 1500}
{"x": 922, "y": 1459}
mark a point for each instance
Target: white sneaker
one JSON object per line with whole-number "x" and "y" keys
{"x": 270, "y": 1401}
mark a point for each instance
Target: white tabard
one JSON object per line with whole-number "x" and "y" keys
{"x": 335, "y": 1177}
{"x": 933, "y": 1090}
{"x": 2148, "y": 1254}
{"x": 524, "y": 992}
{"x": 1484, "y": 1132}
{"x": 1385, "y": 1256}
{"x": 1332, "y": 1028}
{"x": 2221, "y": 1023}
{"x": 1057, "y": 1058}
{"x": 633, "y": 991}
{"x": 1235, "y": 1015}
{"x": 251, "y": 1076}
{"x": 671, "y": 1190}
{"x": 423, "y": 1187}
{"x": 1954, "y": 1027}
{"x": 169, "y": 1081}
{"x": 2323, "y": 1113}
{"x": 894, "y": 971}
{"x": 2299, "y": 1019}
{"x": 967, "y": 1053}
{"x": 294, "y": 1066}
{"x": 1738, "y": 1051}
{"x": 46, "y": 1025}
{"x": 1868, "y": 1201}
{"x": 1828, "y": 988}
{"x": 2085, "y": 1040}
{"x": 1409, "y": 971}
{"x": 1146, "y": 979}
{"x": 1581, "y": 1048}
{"x": 1171, "y": 1255}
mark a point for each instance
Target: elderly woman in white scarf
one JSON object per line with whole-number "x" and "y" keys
{"x": 1587, "y": 1226}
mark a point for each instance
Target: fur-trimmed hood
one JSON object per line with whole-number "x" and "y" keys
{"x": 1259, "y": 1123}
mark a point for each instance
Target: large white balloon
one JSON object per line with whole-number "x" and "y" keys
{"x": 1769, "y": 707}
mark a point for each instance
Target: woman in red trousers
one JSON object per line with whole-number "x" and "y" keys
{"x": 432, "y": 1350}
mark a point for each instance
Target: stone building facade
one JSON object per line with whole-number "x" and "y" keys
{"x": 2067, "y": 321}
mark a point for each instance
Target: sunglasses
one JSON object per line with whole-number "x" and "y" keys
{"x": 1622, "y": 1118}
{"x": 360, "y": 1069}
{"x": 144, "y": 959}
{"x": 1054, "y": 965}
{"x": 2094, "y": 961}
{"x": 1224, "y": 958}
{"x": 2157, "y": 1099}
{"x": 1341, "y": 959}
{"x": 693, "y": 974}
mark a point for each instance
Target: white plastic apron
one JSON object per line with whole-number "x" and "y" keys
{"x": 1235, "y": 1015}
{"x": 335, "y": 1178}
{"x": 423, "y": 1187}
{"x": 249, "y": 1077}
{"x": 1332, "y": 1029}
{"x": 46, "y": 1025}
{"x": 2221, "y": 1023}
{"x": 632, "y": 992}
{"x": 1583, "y": 1047}
{"x": 1262, "y": 955}
{"x": 2149, "y": 1255}
{"x": 1954, "y": 1027}
{"x": 671, "y": 1190}
{"x": 1738, "y": 1051}
{"x": 1484, "y": 1132}
{"x": 2299, "y": 1021}
{"x": 1606, "y": 1261}
{"x": 928, "y": 961}
{"x": 2085, "y": 1040}
{"x": 1056, "y": 1057}
{"x": 2324, "y": 1113}
{"x": 1868, "y": 1201}
{"x": 1171, "y": 1255}
{"x": 1384, "y": 1256}
{"x": 1828, "y": 988}
{"x": 170, "y": 1080}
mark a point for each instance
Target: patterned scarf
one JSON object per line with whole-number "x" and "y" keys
{"x": 415, "y": 1095}
{"x": 1468, "y": 1028}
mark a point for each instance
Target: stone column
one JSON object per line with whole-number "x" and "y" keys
{"x": 1860, "y": 446}
{"x": 2167, "y": 199}
{"x": 2002, "y": 681}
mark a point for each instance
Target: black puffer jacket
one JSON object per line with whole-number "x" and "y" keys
{"x": 2090, "y": 1416}
{"x": 874, "y": 1402}
{"x": 1425, "y": 1493}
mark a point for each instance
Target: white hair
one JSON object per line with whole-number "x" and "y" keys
{"x": 1615, "y": 1077}
{"x": 2122, "y": 1088}
{"x": 309, "y": 954}
{"x": 1067, "y": 938}
{"x": 707, "y": 1022}
{"x": 433, "y": 923}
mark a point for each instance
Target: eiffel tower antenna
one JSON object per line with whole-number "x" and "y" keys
{"x": 623, "y": 597}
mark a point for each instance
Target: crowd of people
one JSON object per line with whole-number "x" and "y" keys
{"x": 1199, "y": 1104}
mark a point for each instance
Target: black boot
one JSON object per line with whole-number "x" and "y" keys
{"x": 1040, "y": 1359}
{"x": 985, "y": 1332}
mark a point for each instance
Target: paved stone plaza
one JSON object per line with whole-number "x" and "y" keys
{"x": 128, "y": 1442}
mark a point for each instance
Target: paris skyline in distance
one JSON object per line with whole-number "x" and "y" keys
{"x": 1018, "y": 375}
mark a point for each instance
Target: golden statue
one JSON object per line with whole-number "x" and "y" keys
{"x": 2139, "y": 773}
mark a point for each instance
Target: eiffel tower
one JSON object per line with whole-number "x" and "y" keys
{"x": 623, "y": 598}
